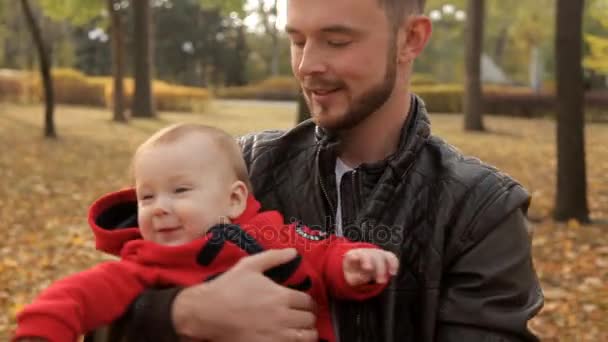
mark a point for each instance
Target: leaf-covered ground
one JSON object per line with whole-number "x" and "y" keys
{"x": 46, "y": 187}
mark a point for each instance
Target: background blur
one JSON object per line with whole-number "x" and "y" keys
{"x": 522, "y": 85}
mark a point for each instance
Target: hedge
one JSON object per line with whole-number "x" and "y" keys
{"x": 13, "y": 87}
{"x": 168, "y": 97}
{"x": 74, "y": 88}
{"x": 273, "y": 89}
{"x": 448, "y": 98}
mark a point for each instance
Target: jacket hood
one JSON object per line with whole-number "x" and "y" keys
{"x": 113, "y": 219}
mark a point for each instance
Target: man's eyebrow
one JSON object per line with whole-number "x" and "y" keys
{"x": 329, "y": 29}
{"x": 291, "y": 30}
{"x": 340, "y": 29}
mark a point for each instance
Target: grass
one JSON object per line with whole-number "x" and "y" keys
{"x": 46, "y": 187}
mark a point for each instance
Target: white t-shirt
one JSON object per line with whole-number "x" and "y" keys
{"x": 341, "y": 169}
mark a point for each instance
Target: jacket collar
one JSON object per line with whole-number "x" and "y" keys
{"x": 416, "y": 130}
{"x": 113, "y": 219}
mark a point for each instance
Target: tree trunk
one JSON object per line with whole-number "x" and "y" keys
{"x": 536, "y": 70}
{"x": 276, "y": 48}
{"x": 501, "y": 45}
{"x": 143, "y": 101}
{"x": 118, "y": 63}
{"x": 303, "y": 111}
{"x": 473, "y": 97}
{"x": 270, "y": 29}
{"x": 45, "y": 70}
{"x": 571, "y": 200}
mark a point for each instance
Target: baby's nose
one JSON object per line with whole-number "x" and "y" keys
{"x": 161, "y": 207}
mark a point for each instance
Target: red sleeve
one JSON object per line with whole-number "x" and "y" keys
{"x": 333, "y": 271}
{"x": 80, "y": 303}
{"x": 323, "y": 253}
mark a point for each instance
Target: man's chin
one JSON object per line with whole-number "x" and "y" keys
{"x": 328, "y": 122}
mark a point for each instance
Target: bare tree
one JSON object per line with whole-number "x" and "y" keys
{"x": 118, "y": 61}
{"x": 473, "y": 97}
{"x": 143, "y": 98}
{"x": 45, "y": 69}
{"x": 268, "y": 19}
{"x": 571, "y": 200}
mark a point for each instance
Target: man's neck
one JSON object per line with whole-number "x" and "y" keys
{"x": 377, "y": 137}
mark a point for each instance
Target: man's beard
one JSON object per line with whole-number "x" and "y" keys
{"x": 364, "y": 105}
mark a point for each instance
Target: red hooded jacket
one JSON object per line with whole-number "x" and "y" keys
{"x": 95, "y": 297}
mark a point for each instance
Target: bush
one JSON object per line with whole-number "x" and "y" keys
{"x": 167, "y": 97}
{"x": 419, "y": 79}
{"x": 274, "y": 89}
{"x": 170, "y": 97}
{"x": 441, "y": 98}
{"x": 505, "y": 100}
{"x": 12, "y": 87}
{"x": 72, "y": 87}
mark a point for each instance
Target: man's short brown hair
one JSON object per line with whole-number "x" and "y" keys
{"x": 396, "y": 9}
{"x": 224, "y": 141}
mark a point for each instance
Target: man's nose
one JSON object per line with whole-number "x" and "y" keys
{"x": 311, "y": 60}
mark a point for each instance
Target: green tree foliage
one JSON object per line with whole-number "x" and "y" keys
{"x": 511, "y": 33}
{"x": 78, "y": 12}
{"x": 210, "y": 49}
{"x": 226, "y": 7}
{"x": 597, "y": 38}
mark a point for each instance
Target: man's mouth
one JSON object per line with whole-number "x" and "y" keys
{"x": 323, "y": 92}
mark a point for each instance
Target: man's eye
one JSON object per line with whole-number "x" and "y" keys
{"x": 338, "y": 43}
{"x": 298, "y": 43}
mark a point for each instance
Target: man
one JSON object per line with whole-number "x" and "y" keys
{"x": 367, "y": 166}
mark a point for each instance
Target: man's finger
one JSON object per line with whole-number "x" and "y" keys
{"x": 302, "y": 335}
{"x": 268, "y": 259}
{"x": 300, "y": 301}
{"x": 298, "y": 319}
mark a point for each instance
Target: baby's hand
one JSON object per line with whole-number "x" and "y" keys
{"x": 363, "y": 265}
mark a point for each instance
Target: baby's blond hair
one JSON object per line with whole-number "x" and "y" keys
{"x": 224, "y": 141}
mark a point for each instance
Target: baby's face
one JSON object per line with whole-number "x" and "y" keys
{"x": 182, "y": 190}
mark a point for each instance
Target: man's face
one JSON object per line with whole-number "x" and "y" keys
{"x": 344, "y": 55}
{"x": 183, "y": 189}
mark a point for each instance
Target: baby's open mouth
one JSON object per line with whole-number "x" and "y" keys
{"x": 168, "y": 229}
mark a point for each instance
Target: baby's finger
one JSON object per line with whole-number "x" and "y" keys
{"x": 392, "y": 263}
{"x": 366, "y": 262}
{"x": 380, "y": 266}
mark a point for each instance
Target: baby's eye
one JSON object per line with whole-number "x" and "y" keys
{"x": 181, "y": 189}
{"x": 146, "y": 197}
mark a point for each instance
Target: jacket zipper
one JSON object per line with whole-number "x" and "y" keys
{"x": 356, "y": 204}
{"x": 331, "y": 206}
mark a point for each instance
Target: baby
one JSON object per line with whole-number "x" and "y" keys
{"x": 196, "y": 218}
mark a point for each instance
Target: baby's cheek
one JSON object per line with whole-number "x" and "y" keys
{"x": 144, "y": 227}
{"x": 146, "y": 232}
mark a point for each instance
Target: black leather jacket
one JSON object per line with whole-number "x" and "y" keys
{"x": 457, "y": 225}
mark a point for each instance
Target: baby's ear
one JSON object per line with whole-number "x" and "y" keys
{"x": 238, "y": 199}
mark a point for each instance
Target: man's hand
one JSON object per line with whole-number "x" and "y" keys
{"x": 363, "y": 265}
{"x": 244, "y": 305}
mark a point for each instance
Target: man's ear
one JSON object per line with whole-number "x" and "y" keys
{"x": 412, "y": 37}
{"x": 238, "y": 199}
